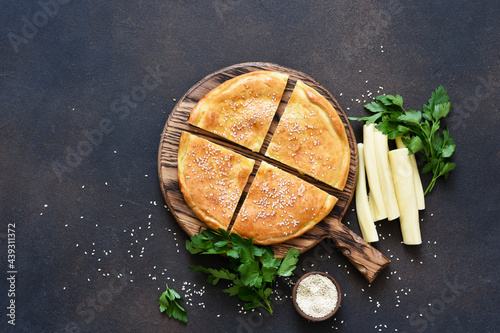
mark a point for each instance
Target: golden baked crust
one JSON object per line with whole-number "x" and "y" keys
{"x": 280, "y": 206}
{"x": 212, "y": 179}
{"x": 241, "y": 109}
{"x": 311, "y": 138}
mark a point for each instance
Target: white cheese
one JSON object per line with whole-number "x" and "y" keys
{"x": 385, "y": 175}
{"x": 363, "y": 211}
{"x": 419, "y": 190}
{"x": 376, "y": 198}
{"x": 405, "y": 193}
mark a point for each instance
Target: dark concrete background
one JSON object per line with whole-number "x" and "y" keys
{"x": 79, "y": 139}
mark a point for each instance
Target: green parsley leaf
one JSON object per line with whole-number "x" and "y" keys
{"x": 431, "y": 164}
{"x": 396, "y": 100}
{"x": 268, "y": 260}
{"x": 387, "y": 126}
{"x": 250, "y": 274}
{"x": 427, "y": 113}
{"x": 448, "y": 148}
{"x": 258, "y": 251}
{"x": 387, "y": 100}
{"x": 369, "y": 120}
{"x": 179, "y": 313}
{"x": 243, "y": 246}
{"x": 198, "y": 245}
{"x": 221, "y": 243}
{"x": 439, "y": 96}
{"x": 268, "y": 292}
{"x": 289, "y": 262}
{"x": 415, "y": 145}
{"x": 233, "y": 254}
{"x": 447, "y": 168}
{"x": 441, "y": 111}
{"x": 246, "y": 294}
{"x": 268, "y": 274}
{"x": 411, "y": 117}
{"x": 168, "y": 303}
{"x": 214, "y": 274}
{"x": 233, "y": 290}
{"x": 376, "y": 107}
{"x": 252, "y": 304}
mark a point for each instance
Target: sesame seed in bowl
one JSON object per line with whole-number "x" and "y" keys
{"x": 316, "y": 296}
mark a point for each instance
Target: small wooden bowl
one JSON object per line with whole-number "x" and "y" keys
{"x": 299, "y": 310}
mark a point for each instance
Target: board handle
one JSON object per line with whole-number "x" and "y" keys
{"x": 367, "y": 259}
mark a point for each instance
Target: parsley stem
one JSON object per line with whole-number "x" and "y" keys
{"x": 431, "y": 184}
{"x": 267, "y": 306}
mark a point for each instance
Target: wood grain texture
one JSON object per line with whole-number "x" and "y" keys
{"x": 365, "y": 258}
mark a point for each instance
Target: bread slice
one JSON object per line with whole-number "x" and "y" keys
{"x": 280, "y": 206}
{"x": 311, "y": 138}
{"x": 211, "y": 178}
{"x": 241, "y": 109}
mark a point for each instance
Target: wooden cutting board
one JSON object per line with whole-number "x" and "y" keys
{"x": 365, "y": 258}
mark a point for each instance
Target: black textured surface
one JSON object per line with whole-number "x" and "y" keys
{"x": 80, "y": 122}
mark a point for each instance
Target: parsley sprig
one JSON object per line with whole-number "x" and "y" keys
{"x": 252, "y": 269}
{"x": 169, "y": 303}
{"x": 420, "y": 130}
